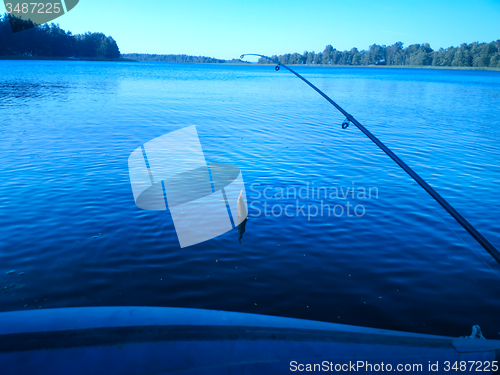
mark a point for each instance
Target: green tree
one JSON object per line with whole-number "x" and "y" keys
{"x": 318, "y": 58}
{"x": 327, "y": 56}
{"x": 393, "y": 54}
{"x": 376, "y": 55}
{"x": 355, "y": 56}
{"x": 495, "y": 61}
{"x": 462, "y": 56}
{"x": 295, "y": 59}
{"x": 484, "y": 54}
{"x": 310, "y": 57}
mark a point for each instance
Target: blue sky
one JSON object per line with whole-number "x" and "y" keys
{"x": 225, "y": 29}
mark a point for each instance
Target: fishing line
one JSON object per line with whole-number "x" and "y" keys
{"x": 433, "y": 193}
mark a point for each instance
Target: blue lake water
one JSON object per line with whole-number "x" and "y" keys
{"x": 70, "y": 229}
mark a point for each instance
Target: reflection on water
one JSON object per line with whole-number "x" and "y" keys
{"x": 241, "y": 229}
{"x": 21, "y": 81}
{"x": 23, "y": 90}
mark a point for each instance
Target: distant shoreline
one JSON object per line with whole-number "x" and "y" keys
{"x": 352, "y": 66}
{"x": 391, "y": 67}
{"x": 51, "y": 58}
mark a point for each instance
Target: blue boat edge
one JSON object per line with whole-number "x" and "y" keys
{"x": 161, "y": 340}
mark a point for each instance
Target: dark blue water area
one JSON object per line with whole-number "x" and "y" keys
{"x": 387, "y": 257}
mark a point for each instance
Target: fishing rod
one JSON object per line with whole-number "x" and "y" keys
{"x": 434, "y": 194}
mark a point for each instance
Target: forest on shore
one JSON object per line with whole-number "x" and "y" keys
{"x": 176, "y": 58}
{"x": 171, "y": 58}
{"x": 23, "y": 39}
{"x": 479, "y": 55}
{"x": 49, "y": 40}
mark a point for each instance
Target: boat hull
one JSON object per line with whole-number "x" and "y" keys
{"x": 152, "y": 340}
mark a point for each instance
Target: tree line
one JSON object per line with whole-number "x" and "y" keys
{"x": 49, "y": 40}
{"x": 482, "y": 55}
{"x": 176, "y": 58}
{"x": 171, "y": 58}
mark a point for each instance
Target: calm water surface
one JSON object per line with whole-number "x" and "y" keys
{"x": 72, "y": 233}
